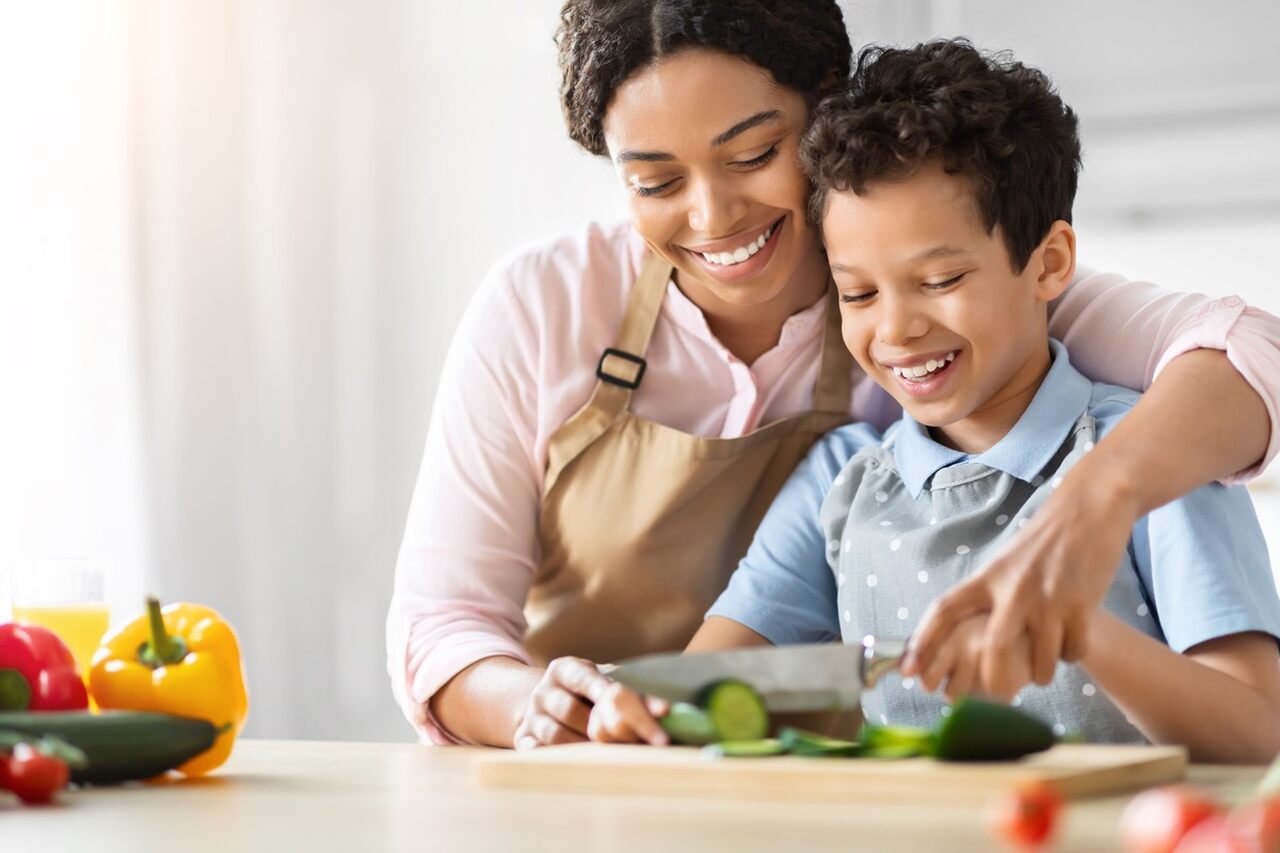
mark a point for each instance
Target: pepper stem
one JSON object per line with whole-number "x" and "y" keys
{"x": 162, "y": 649}
{"x": 15, "y": 693}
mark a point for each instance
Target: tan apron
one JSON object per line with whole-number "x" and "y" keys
{"x": 641, "y": 524}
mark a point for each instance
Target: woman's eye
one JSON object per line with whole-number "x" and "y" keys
{"x": 856, "y": 298}
{"x": 642, "y": 190}
{"x": 758, "y": 161}
{"x": 943, "y": 285}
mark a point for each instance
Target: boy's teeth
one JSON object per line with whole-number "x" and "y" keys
{"x": 921, "y": 370}
{"x": 740, "y": 254}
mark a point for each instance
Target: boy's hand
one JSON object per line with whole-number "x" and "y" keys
{"x": 575, "y": 702}
{"x": 956, "y": 666}
{"x": 1041, "y": 591}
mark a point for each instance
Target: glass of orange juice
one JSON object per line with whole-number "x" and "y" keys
{"x": 67, "y": 595}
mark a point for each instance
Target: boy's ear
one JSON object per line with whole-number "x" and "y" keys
{"x": 1057, "y": 261}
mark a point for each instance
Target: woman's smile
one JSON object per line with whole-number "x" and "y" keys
{"x": 741, "y": 256}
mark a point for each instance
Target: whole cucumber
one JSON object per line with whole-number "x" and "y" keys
{"x": 120, "y": 745}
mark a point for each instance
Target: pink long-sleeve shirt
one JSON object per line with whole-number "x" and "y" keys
{"x": 523, "y": 361}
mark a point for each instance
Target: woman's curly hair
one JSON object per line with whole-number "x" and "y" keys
{"x": 994, "y": 120}
{"x": 802, "y": 43}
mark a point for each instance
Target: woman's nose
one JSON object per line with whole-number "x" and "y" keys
{"x": 715, "y": 209}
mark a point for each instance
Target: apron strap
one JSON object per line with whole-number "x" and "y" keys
{"x": 619, "y": 371}
{"x": 833, "y": 392}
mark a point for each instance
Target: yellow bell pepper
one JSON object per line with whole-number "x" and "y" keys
{"x": 184, "y": 660}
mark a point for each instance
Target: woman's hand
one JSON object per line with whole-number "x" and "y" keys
{"x": 574, "y": 701}
{"x": 1045, "y": 586}
{"x": 955, "y": 668}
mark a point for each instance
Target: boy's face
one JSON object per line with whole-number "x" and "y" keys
{"x": 924, "y": 288}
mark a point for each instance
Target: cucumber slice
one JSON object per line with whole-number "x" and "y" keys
{"x": 801, "y": 742}
{"x": 689, "y": 724}
{"x": 736, "y": 710}
{"x": 762, "y": 748}
{"x": 896, "y": 741}
{"x": 978, "y": 730}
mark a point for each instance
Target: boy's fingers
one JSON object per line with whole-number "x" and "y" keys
{"x": 548, "y": 732}
{"x": 940, "y": 620}
{"x": 633, "y": 713}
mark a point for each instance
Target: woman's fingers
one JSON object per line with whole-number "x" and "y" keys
{"x": 563, "y": 707}
{"x": 623, "y": 716}
{"x": 580, "y": 677}
{"x": 939, "y": 623}
{"x": 939, "y": 666}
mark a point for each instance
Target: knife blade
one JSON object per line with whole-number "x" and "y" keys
{"x": 806, "y": 677}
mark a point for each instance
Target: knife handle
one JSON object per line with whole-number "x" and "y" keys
{"x": 879, "y": 656}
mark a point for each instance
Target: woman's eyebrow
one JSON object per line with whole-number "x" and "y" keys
{"x": 741, "y": 127}
{"x": 746, "y": 124}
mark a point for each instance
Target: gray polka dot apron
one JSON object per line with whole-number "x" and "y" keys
{"x": 893, "y": 554}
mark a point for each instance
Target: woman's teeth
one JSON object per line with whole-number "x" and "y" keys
{"x": 919, "y": 371}
{"x": 740, "y": 254}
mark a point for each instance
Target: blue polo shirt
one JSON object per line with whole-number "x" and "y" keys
{"x": 1199, "y": 563}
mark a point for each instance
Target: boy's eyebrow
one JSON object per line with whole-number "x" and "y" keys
{"x": 926, "y": 255}
{"x": 738, "y": 129}
{"x": 938, "y": 252}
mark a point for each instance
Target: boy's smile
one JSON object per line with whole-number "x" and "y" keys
{"x": 932, "y": 309}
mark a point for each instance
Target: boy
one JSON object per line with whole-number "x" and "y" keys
{"x": 943, "y": 184}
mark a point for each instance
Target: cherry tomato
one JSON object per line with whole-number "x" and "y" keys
{"x": 1156, "y": 820}
{"x": 34, "y": 776}
{"x": 1255, "y": 827}
{"x": 1025, "y": 816}
{"x": 1211, "y": 835}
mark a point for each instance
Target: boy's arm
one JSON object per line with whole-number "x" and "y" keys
{"x": 719, "y": 632}
{"x": 1221, "y": 698}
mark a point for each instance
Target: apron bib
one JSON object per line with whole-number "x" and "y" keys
{"x": 641, "y": 524}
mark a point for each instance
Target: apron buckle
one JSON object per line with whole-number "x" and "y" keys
{"x": 622, "y": 381}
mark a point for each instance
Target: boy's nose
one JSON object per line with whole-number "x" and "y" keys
{"x": 899, "y": 323}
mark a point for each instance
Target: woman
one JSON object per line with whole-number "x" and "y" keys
{"x": 620, "y": 406}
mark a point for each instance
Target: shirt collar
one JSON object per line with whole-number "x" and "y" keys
{"x": 1024, "y": 451}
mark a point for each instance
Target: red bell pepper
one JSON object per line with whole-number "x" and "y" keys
{"x": 38, "y": 672}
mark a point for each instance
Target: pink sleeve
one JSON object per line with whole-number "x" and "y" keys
{"x": 468, "y": 553}
{"x": 1124, "y": 333}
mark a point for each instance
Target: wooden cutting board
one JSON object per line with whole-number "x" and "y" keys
{"x": 1077, "y": 770}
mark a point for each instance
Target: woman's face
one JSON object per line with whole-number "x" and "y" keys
{"x": 706, "y": 145}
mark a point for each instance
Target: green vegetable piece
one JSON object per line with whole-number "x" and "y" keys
{"x": 689, "y": 724}
{"x": 801, "y": 742}
{"x": 896, "y": 741}
{"x": 737, "y": 712}
{"x": 977, "y": 730}
{"x": 761, "y": 748}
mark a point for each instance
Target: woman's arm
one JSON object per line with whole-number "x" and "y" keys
{"x": 1207, "y": 415}
{"x": 1221, "y": 698}
{"x": 467, "y": 557}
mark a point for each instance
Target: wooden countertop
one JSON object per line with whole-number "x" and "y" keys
{"x": 314, "y": 796}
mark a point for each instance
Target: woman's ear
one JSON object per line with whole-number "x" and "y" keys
{"x": 1057, "y": 260}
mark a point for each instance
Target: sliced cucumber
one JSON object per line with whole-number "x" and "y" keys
{"x": 801, "y": 742}
{"x": 736, "y": 710}
{"x": 762, "y": 748}
{"x": 987, "y": 731}
{"x": 689, "y": 724}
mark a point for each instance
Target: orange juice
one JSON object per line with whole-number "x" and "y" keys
{"x": 80, "y": 626}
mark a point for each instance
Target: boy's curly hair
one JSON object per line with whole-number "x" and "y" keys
{"x": 802, "y": 43}
{"x": 994, "y": 120}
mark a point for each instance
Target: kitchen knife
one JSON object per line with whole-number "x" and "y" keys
{"x": 809, "y": 677}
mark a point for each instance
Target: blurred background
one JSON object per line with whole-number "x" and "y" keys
{"x": 236, "y": 236}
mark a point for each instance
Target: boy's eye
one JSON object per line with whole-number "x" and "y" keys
{"x": 856, "y": 298}
{"x": 943, "y": 285}
{"x": 758, "y": 161}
